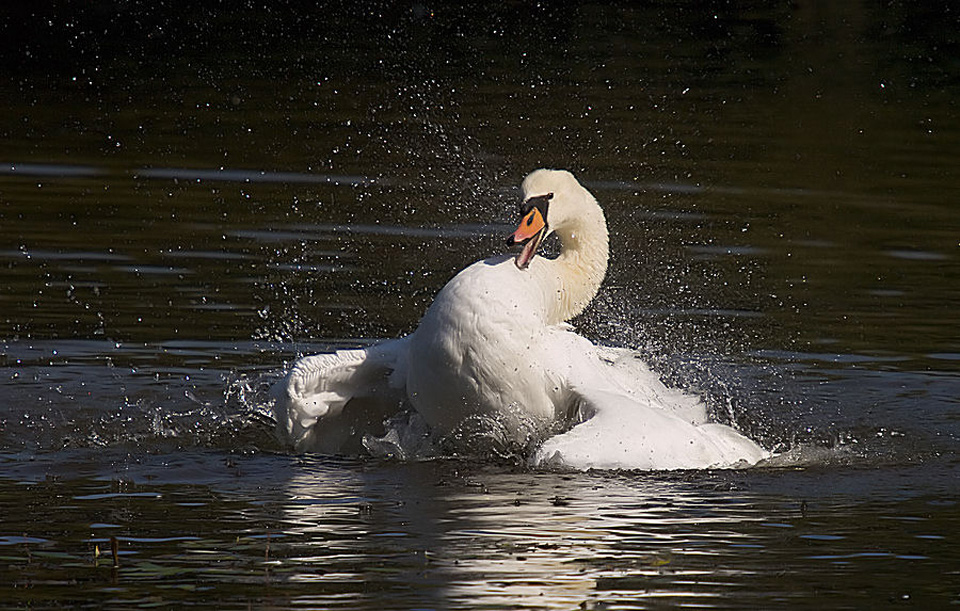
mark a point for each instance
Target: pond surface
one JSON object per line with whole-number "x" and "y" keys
{"x": 190, "y": 200}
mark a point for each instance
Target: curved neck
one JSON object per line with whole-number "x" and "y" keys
{"x": 581, "y": 266}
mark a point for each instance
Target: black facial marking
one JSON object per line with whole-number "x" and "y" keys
{"x": 540, "y": 202}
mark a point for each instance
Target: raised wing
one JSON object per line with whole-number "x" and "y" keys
{"x": 630, "y": 420}
{"x": 329, "y": 401}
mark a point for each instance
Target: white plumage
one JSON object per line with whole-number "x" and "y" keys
{"x": 494, "y": 344}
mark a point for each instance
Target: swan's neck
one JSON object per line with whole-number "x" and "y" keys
{"x": 581, "y": 266}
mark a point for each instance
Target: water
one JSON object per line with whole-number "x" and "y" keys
{"x": 187, "y": 205}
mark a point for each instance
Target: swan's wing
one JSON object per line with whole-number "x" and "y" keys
{"x": 311, "y": 402}
{"x": 631, "y": 420}
{"x": 626, "y": 370}
{"x": 622, "y": 433}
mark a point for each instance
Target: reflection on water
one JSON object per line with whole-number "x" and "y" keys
{"x": 189, "y": 200}
{"x": 342, "y": 534}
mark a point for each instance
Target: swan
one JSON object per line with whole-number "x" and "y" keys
{"x": 495, "y": 345}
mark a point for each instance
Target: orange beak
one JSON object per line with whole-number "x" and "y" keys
{"x": 530, "y": 233}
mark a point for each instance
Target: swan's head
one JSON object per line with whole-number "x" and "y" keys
{"x": 553, "y": 200}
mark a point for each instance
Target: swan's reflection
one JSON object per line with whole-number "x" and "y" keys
{"x": 444, "y": 533}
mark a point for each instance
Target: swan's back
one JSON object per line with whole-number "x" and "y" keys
{"x": 477, "y": 350}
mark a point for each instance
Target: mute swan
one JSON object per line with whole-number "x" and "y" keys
{"x": 495, "y": 344}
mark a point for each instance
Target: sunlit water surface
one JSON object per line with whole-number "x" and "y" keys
{"x": 185, "y": 210}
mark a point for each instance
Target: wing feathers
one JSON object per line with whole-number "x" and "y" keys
{"x": 310, "y": 401}
{"x": 630, "y": 419}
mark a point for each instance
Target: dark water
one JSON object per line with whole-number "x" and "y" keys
{"x": 190, "y": 198}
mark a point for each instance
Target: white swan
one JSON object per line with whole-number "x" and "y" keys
{"x": 494, "y": 344}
